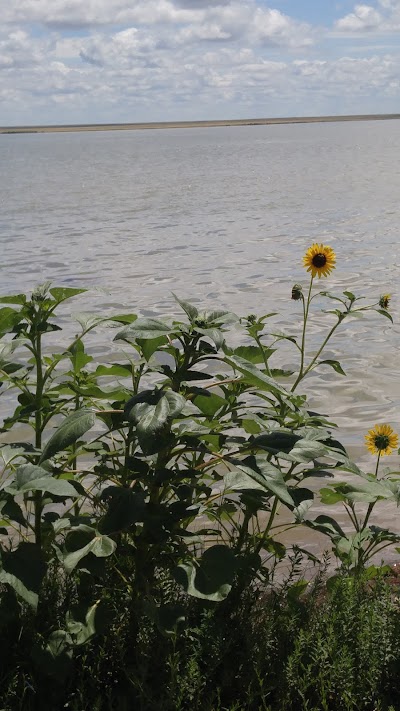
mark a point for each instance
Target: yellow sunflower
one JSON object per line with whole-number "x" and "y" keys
{"x": 381, "y": 440}
{"x": 384, "y": 301}
{"x": 319, "y": 260}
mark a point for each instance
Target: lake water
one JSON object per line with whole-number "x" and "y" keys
{"x": 221, "y": 216}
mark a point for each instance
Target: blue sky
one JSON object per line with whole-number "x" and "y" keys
{"x": 83, "y": 61}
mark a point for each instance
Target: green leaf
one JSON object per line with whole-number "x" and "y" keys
{"x": 258, "y": 473}
{"x": 24, "y": 569}
{"x": 208, "y": 402}
{"x": 78, "y": 356}
{"x": 8, "y": 319}
{"x": 214, "y": 334}
{"x": 16, "y": 299}
{"x": 328, "y": 526}
{"x": 63, "y": 293}
{"x": 150, "y": 345}
{"x": 212, "y": 577}
{"x": 330, "y": 496}
{"x": 349, "y": 295}
{"x": 254, "y": 376}
{"x": 10, "y": 510}
{"x": 101, "y": 546}
{"x": 254, "y": 354}
{"x": 144, "y": 328}
{"x": 190, "y": 310}
{"x": 219, "y": 318}
{"x": 334, "y": 364}
{"x": 89, "y": 321}
{"x": 83, "y": 631}
{"x": 276, "y": 441}
{"x": 383, "y": 312}
{"x": 73, "y": 427}
{"x": 116, "y": 370}
{"x": 27, "y": 473}
{"x": 303, "y": 499}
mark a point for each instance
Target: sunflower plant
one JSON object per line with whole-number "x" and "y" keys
{"x": 355, "y": 549}
{"x": 320, "y": 260}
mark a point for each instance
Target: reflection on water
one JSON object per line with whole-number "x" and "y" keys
{"x": 222, "y": 216}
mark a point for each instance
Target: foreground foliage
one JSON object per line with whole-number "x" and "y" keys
{"x": 143, "y": 521}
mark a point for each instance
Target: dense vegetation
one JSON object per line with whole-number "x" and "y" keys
{"x": 142, "y": 523}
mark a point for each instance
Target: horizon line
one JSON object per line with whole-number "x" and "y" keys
{"x": 143, "y": 125}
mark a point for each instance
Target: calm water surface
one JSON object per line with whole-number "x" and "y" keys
{"x": 221, "y": 216}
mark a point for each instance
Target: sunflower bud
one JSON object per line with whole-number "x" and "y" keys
{"x": 297, "y": 290}
{"x": 384, "y": 301}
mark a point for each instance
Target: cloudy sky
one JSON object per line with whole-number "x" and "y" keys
{"x": 83, "y": 61}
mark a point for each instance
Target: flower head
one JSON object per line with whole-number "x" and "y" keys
{"x": 319, "y": 260}
{"x": 384, "y": 301}
{"x": 381, "y": 440}
{"x": 297, "y": 292}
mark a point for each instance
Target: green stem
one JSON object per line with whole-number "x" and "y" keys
{"x": 372, "y": 504}
{"x": 265, "y": 359}
{"x": 306, "y": 307}
{"x": 38, "y": 499}
{"x": 269, "y": 525}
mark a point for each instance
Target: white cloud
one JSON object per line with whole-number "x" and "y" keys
{"x": 143, "y": 60}
{"x": 384, "y": 17}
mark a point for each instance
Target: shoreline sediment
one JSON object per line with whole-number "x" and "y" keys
{"x": 193, "y": 124}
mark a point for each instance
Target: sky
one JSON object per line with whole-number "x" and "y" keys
{"x": 105, "y": 61}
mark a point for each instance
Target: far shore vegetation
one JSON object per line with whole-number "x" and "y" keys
{"x": 144, "y": 501}
{"x": 194, "y": 124}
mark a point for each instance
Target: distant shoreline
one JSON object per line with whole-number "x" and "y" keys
{"x": 194, "y": 124}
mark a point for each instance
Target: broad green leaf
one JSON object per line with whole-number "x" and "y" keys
{"x": 214, "y": 334}
{"x": 89, "y": 321}
{"x": 24, "y": 569}
{"x": 190, "y": 310}
{"x": 330, "y": 496}
{"x": 84, "y": 630}
{"x": 62, "y": 293}
{"x": 79, "y": 358}
{"x": 328, "y": 526}
{"x": 304, "y": 499}
{"x": 276, "y": 441}
{"x": 101, "y": 546}
{"x": 10, "y": 509}
{"x": 57, "y": 487}
{"x": 9, "y": 452}
{"x": 27, "y": 473}
{"x": 254, "y": 354}
{"x": 254, "y": 376}
{"x": 150, "y": 345}
{"x": 220, "y": 318}
{"x": 73, "y": 427}
{"x": 306, "y": 450}
{"x": 334, "y": 364}
{"x": 115, "y": 370}
{"x": 154, "y": 419}
{"x": 207, "y": 401}
{"x": 16, "y": 299}
{"x": 144, "y": 328}
{"x": 258, "y": 473}
{"x": 8, "y": 319}
{"x": 367, "y": 490}
{"x": 211, "y": 578}
{"x": 383, "y": 312}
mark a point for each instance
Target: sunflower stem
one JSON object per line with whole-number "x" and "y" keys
{"x": 306, "y": 307}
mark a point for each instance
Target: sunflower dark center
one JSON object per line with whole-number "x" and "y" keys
{"x": 381, "y": 441}
{"x": 319, "y": 260}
